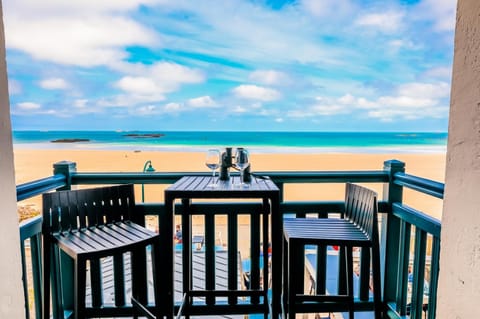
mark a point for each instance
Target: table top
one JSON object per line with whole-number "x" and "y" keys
{"x": 198, "y": 187}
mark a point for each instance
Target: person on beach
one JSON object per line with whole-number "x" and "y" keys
{"x": 178, "y": 234}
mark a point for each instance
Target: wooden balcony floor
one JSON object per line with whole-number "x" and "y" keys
{"x": 198, "y": 258}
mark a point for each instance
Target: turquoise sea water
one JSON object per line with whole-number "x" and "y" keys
{"x": 295, "y": 142}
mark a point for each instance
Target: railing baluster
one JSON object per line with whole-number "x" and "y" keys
{"x": 25, "y": 279}
{"x": 210, "y": 256}
{"x": 403, "y": 264}
{"x": 31, "y": 230}
{"x": 418, "y": 274}
{"x": 321, "y": 271}
{"x": 35, "y": 250}
{"x": 266, "y": 245}
{"x": 63, "y": 288}
{"x": 186, "y": 250}
{"x": 232, "y": 256}
{"x": 255, "y": 253}
{"x": 434, "y": 269}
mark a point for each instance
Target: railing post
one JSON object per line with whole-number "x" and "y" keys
{"x": 65, "y": 297}
{"x": 66, "y": 168}
{"x": 390, "y": 235}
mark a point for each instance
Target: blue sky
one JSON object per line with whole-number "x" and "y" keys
{"x": 320, "y": 65}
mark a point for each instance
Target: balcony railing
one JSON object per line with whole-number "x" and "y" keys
{"x": 410, "y": 239}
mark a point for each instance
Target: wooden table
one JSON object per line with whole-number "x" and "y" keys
{"x": 210, "y": 300}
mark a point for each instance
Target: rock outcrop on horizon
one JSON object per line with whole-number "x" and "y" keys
{"x": 146, "y": 135}
{"x": 70, "y": 140}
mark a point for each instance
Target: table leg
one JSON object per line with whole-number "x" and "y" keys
{"x": 187, "y": 279}
{"x": 277, "y": 230}
{"x": 166, "y": 268}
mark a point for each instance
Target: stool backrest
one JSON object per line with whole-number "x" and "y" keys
{"x": 361, "y": 208}
{"x": 65, "y": 211}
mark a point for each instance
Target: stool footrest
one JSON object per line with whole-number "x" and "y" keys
{"x": 227, "y": 293}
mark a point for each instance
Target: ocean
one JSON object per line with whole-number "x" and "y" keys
{"x": 260, "y": 142}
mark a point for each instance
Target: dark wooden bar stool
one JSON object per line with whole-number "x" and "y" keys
{"x": 357, "y": 228}
{"x": 88, "y": 225}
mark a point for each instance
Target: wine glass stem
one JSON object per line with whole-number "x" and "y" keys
{"x": 213, "y": 176}
{"x": 241, "y": 177}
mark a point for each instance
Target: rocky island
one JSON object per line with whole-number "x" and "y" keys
{"x": 146, "y": 135}
{"x": 70, "y": 140}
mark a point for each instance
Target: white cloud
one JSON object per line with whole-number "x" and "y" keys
{"x": 172, "y": 107}
{"x": 442, "y": 12}
{"x": 33, "y": 8}
{"x": 82, "y": 33}
{"x": 80, "y": 103}
{"x": 151, "y": 83}
{"x": 324, "y": 106}
{"x": 403, "y": 101}
{"x": 29, "y": 106}
{"x": 139, "y": 85}
{"x": 346, "y": 99}
{"x": 327, "y": 8}
{"x": 202, "y": 102}
{"x": 388, "y": 114}
{"x": 386, "y": 22}
{"x": 440, "y": 73}
{"x": 14, "y": 87}
{"x": 226, "y": 29}
{"x": 248, "y": 107}
{"x": 147, "y": 110}
{"x": 363, "y": 103}
{"x": 269, "y": 77}
{"x": 410, "y": 101}
{"x": 427, "y": 90}
{"x": 254, "y": 92}
{"x": 54, "y": 84}
{"x": 171, "y": 75}
{"x": 330, "y": 109}
{"x": 239, "y": 109}
{"x": 300, "y": 113}
{"x": 401, "y": 44}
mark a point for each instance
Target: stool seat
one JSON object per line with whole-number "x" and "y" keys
{"x": 99, "y": 241}
{"x": 357, "y": 228}
{"x": 326, "y": 231}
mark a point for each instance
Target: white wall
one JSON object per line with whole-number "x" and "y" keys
{"x": 459, "y": 282}
{"x": 11, "y": 293}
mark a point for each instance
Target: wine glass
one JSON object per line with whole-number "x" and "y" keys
{"x": 241, "y": 162}
{"x": 213, "y": 162}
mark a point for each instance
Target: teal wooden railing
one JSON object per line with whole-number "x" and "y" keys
{"x": 404, "y": 289}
